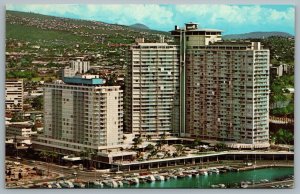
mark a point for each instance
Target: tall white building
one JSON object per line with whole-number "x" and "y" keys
{"x": 152, "y": 90}
{"x": 80, "y": 113}
{"x": 78, "y": 66}
{"x": 14, "y": 94}
{"x": 224, "y": 88}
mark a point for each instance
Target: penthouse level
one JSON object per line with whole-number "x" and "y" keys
{"x": 84, "y": 80}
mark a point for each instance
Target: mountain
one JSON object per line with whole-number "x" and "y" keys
{"x": 257, "y": 35}
{"x": 44, "y": 37}
{"x": 31, "y": 27}
{"x": 140, "y": 26}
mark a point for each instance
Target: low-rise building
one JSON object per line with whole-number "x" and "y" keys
{"x": 14, "y": 94}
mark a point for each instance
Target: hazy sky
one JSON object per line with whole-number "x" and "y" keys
{"x": 232, "y": 19}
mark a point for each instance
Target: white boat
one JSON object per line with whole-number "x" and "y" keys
{"x": 173, "y": 176}
{"x": 222, "y": 186}
{"x": 120, "y": 183}
{"x": 78, "y": 185}
{"x": 151, "y": 178}
{"x": 135, "y": 180}
{"x": 159, "y": 177}
{"x": 58, "y": 185}
{"x": 113, "y": 184}
{"x": 127, "y": 181}
{"x": 203, "y": 172}
{"x": 244, "y": 184}
{"x": 63, "y": 184}
{"x": 98, "y": 183}
{"x": 118, "y": 177}
{"x": 71, "y": 185}
{"x": 214, "y": 170}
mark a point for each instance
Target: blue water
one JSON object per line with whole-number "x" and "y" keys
{"x": 228, "y": 178}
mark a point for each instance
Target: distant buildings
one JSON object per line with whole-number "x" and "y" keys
{"x": 78, "y": 66}
{"x": 280, "y": 70}
{"x": 19, "y": 134}
{"x": 14, "y": 94}
{"x": 80, "y": 114}
{"x": 152, "y": 88}
{"x": 19, "y": 131}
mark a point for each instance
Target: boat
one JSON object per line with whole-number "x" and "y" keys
{"x": 244, "y": 184}
{"x": 143, "y": 179}
{"x": 127, "y": 181}
{"x": 78, "y": 185}
{"x": 120, "y": 183}
{"x": 173, "y": 176}
{"x": 135, "y": 180}
{"x": 203, "y": 172}
{"x": 63, "y": 184}
{"x": 213, "y": 170}
{"x": 264, "y": 181}
{"x": 180, "y": 175}
{"x": 118, "y": 177}
{"x": 195, "y": 173}
{"x": 159, "y": 177}
{"x": 151, "y": 178}
{"x": 70, "y": 184}
{"x": 222, "y": 186}
{"x": 98, "y": 183}
{"x": 113, "y": 184}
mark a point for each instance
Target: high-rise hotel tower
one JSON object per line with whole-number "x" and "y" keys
{"x": 152, "y": 90}
{"x": 81, "y": 113}
{"x": 223, "y": 88}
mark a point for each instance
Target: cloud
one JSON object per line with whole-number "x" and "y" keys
{"x": 231, "y": 18}
{"x": 114, "y": 13}
{"x": 236, "y": 14}
{"x": 60, "y": 9}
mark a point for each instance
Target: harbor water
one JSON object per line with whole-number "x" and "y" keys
{"x": 228, "y": 179}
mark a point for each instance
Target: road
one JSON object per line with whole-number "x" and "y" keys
{"x": 269, "y": 185}
{"x": 63, "y": 171}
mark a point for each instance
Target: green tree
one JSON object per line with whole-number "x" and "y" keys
{"x": 148, "y": 137}
{"x": 37, "y": 103}
{"x": 137, "y": 141}
{"x": 220, "y": 146}
{"x": 196, "y": 142}
{"x": 283, "y": 136}
{"x": 179, "y": 149}
{"x": 149, "y": 147}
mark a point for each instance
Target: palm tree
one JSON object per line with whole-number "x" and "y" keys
{"x": 196, "y": 142}
{"x": 45, "y": 155}
{"x": 137, "y": 141}
{"x": 179, "y": 149}
{"x": 159, "y": 145}
{"x": 153, "y": 153}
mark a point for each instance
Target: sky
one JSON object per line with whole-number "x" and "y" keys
{"x": 232, "y": 19}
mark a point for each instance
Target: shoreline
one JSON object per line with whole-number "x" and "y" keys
{"x": 238, "y": 165}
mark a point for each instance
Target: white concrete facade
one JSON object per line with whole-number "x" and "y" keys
{"x": 14, "y": 94}
{"x": 79, "y": 117}
{"x": 152, "y": 90}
